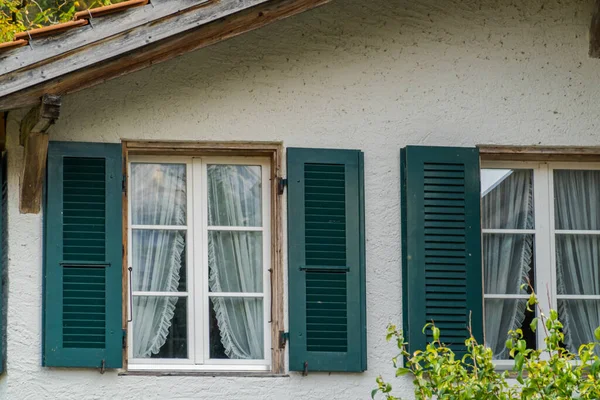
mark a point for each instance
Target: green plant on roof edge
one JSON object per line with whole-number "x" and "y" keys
{"x": 22, "y": 15}
{"x": 552, "y": 374}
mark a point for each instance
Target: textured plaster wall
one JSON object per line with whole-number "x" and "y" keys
{"x": 374, "y": 75}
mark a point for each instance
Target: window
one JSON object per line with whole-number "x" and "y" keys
{"x": 541, "y": 224}
{"x": 199, "y": 255}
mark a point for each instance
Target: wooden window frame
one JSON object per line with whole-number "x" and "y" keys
{"x": 271, "y": 150}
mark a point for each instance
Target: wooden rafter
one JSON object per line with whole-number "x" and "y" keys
{"x": 34, "y": 137}
{"x": 257, "y": 13}
{"x": 595, "y": 31}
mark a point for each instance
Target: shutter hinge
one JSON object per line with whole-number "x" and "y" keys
{"x": 283, "y": 337}
{"x": 124, "y": 342}
{"x": 124, "y": 183}
{"x": 281, "y": 185}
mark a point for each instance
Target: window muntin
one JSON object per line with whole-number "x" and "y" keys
{"x": 220, "y": 319}
{"x": 563, "y": 258}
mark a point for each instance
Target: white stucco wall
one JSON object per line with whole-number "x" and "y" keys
{"x": 374, "y": 75}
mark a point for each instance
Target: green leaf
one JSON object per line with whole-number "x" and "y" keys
{"x": 402, "y": 371}
{"x": 509, "y": 344}
{"x": 533, "y": 324}
{"x": 597, "y": 333}
{"x": 436, "y": 333}
{"x": 374, "y": 392}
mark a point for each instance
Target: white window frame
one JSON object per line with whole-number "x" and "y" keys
{"x": 544, "y": 236}
{"x": 197, "y": 267}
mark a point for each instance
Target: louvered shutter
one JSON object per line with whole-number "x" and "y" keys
{"x": 326, "y": 256}
{"x": 441, "y": 244}
{"x": 83, "y": 250}
{"x": 3, "y": 261}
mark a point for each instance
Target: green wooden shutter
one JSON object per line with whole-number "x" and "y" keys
{"x": 3, "y": 261}
{"x": 441, "y": 244}
{"x": 83, "y": 256}
{"x": 326, "y": 255}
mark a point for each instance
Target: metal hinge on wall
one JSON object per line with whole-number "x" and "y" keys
{"x": 124, "y": 343}
{"x": 281, "y": 184}
{"x": 283, "y": 338}
{"x": 124, "y": 183}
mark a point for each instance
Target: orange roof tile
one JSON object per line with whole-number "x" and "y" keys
{"x": 11, "y": 45}
{"x": 100, "y": 11}
{"x": 50, "y": 30}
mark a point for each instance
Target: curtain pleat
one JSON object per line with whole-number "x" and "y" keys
{"x": 577, "y": 207}
{"x": 235, "y": 258}
{"x": 507, "y": 257}
{"x": 158, "y": 198}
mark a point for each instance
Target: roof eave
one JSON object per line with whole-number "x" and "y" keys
{"x": 136, "y": 48}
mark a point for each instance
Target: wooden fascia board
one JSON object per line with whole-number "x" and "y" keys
{"x": 205, "y": 35}
{"x": 539, "y": 153}
{"x": 118, "y": 44}
{"x": 44, "y": 49}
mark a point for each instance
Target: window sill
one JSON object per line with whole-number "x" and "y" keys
{"x": 214, "y": 374}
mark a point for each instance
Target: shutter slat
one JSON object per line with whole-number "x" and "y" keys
{"x": 82, "y": 300}
{"x": 326, "y": 268}
{"x": 441, "y": 258}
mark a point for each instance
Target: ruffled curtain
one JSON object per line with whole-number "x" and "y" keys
{"x": 157, "y": 198}
{"x": 577, "y": 207}
{"x": 235, "y": 258}
{"x": 507, "y": 257}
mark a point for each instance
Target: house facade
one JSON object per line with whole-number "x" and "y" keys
{"x": 267, "y": 228}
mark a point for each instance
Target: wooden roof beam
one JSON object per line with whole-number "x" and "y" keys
{"x": 595, "y": 31}
{"x": 34, "y": 137}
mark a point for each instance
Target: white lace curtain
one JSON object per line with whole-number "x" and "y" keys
{"x": 507, "y": 257}
{"x": 235, "y": 258}
{"x": 157, "y": 198}
{"x": 577, "y": 207}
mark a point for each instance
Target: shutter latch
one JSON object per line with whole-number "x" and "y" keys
{"x": 281, "y": 184}
{"x": 283, "y": 337}
{"x": 103, "y": 367}
{"x": 305, "y": 372}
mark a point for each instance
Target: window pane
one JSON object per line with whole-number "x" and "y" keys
{"x": 502, "y": 316}
{"x": 580, "y": 318}
{"x": 508, "y": 263}
{"x": 578, "y": 264}
{"x": 158, "y": 194}
{"x": 160, "y": 327}
{"x": 577, "y": 199}
{"x": 236, "y": 328}
{"x": 507, "y": 199}
{"x": 235, "y": 261}
{"x": 158, "y": 260}
{"x": 234, "y": 195}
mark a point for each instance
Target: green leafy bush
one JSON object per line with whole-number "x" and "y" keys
{"x": 553, "y": 374}
{"x": 21, "y": 15}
